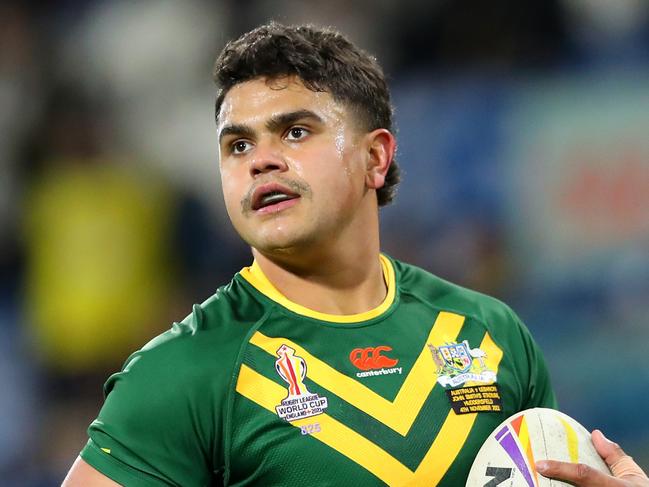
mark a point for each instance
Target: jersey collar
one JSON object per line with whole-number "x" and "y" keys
{"x": 255, "y": 276}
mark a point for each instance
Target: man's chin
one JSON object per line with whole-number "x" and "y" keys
{"x": 277, "y": 248}
{"x": 283, "y": 247}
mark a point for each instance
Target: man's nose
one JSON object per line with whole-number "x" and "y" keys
{"x": 267, "y": 158}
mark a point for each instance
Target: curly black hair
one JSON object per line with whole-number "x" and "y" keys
{"x": 324, "y": 60}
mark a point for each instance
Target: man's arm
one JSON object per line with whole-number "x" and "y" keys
{"x": 83, "y": 475}
{"x": 626, "y": 473}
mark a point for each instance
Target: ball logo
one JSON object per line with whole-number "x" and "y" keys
{"x": 514, "y": 438}
{"x": 372, "y": 361}
{"x": 299, "y": 403}
{"x": 499, "y": 474}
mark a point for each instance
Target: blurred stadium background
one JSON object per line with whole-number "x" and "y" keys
{"x": 523, "y": 135}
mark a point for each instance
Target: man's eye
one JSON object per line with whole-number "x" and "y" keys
{"x": 240, "y": 147}
{"x": 297, "y": 133}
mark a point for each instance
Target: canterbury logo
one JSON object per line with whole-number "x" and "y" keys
{"x": 370, "y": 358}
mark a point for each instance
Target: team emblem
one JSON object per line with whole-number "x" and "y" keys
{"x": 458, "y": 363}
{"x": 299, "y": 403}
{"x": 456, "y": 356}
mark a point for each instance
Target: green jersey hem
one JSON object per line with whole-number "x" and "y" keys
{"x": 116, "y": 470}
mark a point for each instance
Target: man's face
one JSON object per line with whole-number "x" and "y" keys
{"x": 293, "y": 166}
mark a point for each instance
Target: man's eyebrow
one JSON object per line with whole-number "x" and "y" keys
{"x": 277, "y": 122}
{"x": 236, "y": 129}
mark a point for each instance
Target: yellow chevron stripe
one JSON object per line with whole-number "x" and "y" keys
{"x": 454, "y": 432}
{"x": 433, "y": 467}
{"x": 341, "y": 438}
{"x": 399, "y": 414}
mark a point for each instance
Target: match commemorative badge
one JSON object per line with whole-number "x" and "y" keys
{"x": 299, "y": 403}
{"x": 458, "y": 363}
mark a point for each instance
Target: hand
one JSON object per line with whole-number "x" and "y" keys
{"x": 626, "y": 473}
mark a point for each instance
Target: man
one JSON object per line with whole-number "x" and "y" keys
{"x": 325, "y": 362}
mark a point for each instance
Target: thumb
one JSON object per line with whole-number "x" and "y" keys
{"x": 621, "y": 464}
{"x": 609, "y": 451}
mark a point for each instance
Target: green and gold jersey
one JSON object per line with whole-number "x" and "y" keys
{"x": 253, "y": 389}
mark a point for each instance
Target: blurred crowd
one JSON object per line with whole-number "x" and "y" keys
{"x": 522, "y": 136}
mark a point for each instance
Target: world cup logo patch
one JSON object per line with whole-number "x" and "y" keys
{"x": 299, "y": 403}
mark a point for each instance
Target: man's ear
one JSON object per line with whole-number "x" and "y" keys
{"x": 381, "y": 146}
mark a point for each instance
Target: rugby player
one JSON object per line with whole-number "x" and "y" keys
{"x": 326, "y": 362}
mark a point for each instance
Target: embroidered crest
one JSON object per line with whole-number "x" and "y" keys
{"x": 458, "y": 363}
{"x": 299, "y": 403}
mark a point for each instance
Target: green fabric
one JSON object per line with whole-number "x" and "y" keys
{"x": 173, "y": 415}
{"x": 116, "y": 470}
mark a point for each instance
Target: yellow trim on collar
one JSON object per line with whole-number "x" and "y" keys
{"x": 256, "y": 277}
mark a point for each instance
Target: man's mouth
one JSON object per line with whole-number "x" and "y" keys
{"x": 272, "y": 198}
{"x": 270, "y": 195}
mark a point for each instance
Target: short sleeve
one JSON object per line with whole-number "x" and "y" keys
{"x": 161, "y": 418}
{"x": 539, "y": 392}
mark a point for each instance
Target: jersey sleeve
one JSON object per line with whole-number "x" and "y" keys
{"x": 161, "y": 420}
{"x": 538, "y": 391}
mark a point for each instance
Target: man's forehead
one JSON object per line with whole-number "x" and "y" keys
{"x": 289, "y": 83}
{"x": 261, "y": 98}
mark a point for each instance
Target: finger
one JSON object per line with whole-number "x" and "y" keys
{"x": 579, "y": 474}
{"x": 621, "y": 464}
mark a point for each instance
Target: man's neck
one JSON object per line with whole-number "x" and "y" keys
{"x": 339, "y": 285}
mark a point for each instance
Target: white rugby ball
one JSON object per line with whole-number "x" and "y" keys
{"x": 506, "y": 459}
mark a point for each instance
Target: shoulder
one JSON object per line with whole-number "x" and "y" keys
{"x": 204, "y": 345}
{"x": 166, "y": 412}
{"x": 522, "y": 355}
{"x": 227, "y": 314}
{"x": 441, "y": 294}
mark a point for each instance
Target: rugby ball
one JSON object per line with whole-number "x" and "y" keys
{"x": 507, "y": 457}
